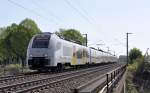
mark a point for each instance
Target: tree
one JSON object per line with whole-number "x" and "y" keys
{"x": 5, "y": 50}
{"x": 2, "y": 49}
{"x": 71, "y": 35}
{"x": 14, "y": 39}
{"x": 29, "y": 26}
{"x": 134, "y": 54}
{"x": 21, "y": 37}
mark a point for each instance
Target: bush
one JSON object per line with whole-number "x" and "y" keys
{"x": 136, "y": 66}
{"x": 133, "y": 69}
{"x": 13, "y": 68}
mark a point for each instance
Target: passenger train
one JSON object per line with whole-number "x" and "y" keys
{"x": 47, "y": 51}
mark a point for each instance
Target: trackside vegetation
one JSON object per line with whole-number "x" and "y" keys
{"x": 131, "y": 73}
{"x": 14, "y": 40}
{"x": 138, "y": 73}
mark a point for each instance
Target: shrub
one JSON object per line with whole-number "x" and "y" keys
{"x": 13, "y": 68}
{"x": 133, "y": 69}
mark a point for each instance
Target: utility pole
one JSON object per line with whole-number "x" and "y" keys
{"x": 86, "y": 39}
{"x": 127, "y": 48}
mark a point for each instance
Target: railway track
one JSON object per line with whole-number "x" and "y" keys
{"x": 66, "y": 85}
{"x": 21, "y": 77}
{"x": 57, "y": 83}
{"x": 21, "y": 74}
{"x": 7, "y": 80}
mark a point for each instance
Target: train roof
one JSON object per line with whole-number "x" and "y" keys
{"x": 75, "y": 42}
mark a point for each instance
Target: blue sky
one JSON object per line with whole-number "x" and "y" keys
{"x": 105, "y": 21}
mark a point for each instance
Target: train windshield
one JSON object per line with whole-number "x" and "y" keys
{"x": 41, "y": 41}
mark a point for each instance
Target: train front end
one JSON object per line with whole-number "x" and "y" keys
{"x": 38, "y": 52}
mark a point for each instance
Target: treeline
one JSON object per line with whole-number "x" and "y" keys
{"x": 14, "y": 40}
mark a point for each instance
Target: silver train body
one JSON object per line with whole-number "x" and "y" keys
{"x": 47, "y": 50}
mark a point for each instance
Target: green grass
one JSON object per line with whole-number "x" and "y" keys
{"x": 12, "y": 69}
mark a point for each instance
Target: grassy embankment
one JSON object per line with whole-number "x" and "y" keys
{"x": 13, "y": 69}
{"x": 135, "y": 80}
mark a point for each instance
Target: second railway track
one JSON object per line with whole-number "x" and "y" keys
{"x": 56, "y": 81}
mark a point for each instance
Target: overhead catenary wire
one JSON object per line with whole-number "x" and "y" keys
{"x": 78, "y": 11}
{"x": 84, "y": 11}
{"x": 82, "y": 14}
{"x": 95, "y": 43}
{"x": 33, "y": 12}
{"x": 48, "y": 11}
{"x": 119, "y": 42}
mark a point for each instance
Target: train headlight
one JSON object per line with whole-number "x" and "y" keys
{"x": 30, "y": 55}
{"x": 45, "y": 55}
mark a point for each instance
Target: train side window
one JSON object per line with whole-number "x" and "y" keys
{"x": 85, "y": 53}
{"x": 79, "y": 53}
{"x": 67, "y": 51}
